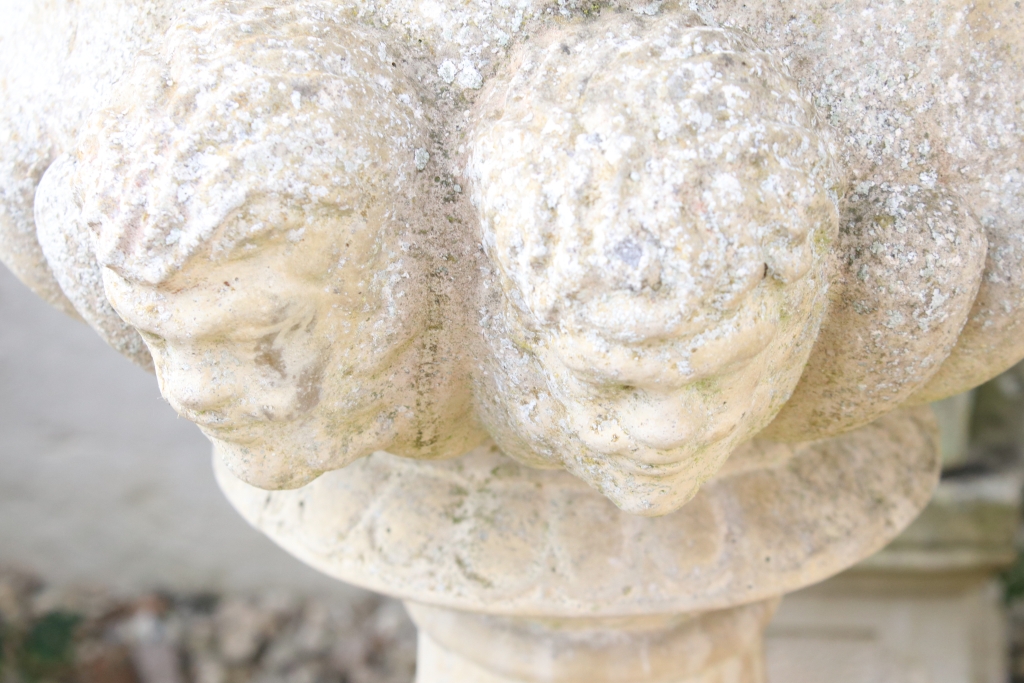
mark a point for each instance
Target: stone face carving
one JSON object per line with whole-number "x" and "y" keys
{"x": 63, "y": 239}
{"x": 660, "y": 209}
{"x": 58, "y": 61}
{"x": 655, "y": 247}
{"x": 253, "y": 204}
{"x": 605, "y": 237}
{"x": 657, "y": 200}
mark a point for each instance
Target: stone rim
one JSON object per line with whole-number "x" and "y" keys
{"x": 484, "y": 534}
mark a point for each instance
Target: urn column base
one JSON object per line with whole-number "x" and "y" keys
{"x": 723, "y": 646}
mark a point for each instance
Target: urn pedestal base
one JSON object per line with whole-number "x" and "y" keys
{"x": 517, "y": 575}
{"x": 723, "y": 646}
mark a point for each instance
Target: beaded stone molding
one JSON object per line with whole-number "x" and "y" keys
{"x": 619, "y": 239}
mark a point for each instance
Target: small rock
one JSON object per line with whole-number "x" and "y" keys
{"x": 389, "y": 620}
{"x": 158, "y": 663}
{"x": 350, "y": 653}
{"x": 209, "y": 670}
{"x": 105, "y": 663}
{"x": 242, "y": 630}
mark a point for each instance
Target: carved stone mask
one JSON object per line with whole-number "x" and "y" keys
{"x": 620, "y": 243}
{"x": 660, "y": 216}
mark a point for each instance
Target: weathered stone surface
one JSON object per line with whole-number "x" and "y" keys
{"x": 59, "y": 61}
{"x": 655, "y": 194}
{"x": 358, "y": 236}
{"x": 66, "y": 244}
{"x": 253, "y": 205}
{"x": 660, "y": 209}
{"x": 911, "y": 263}
{"x": 922, "y": 94}
{"x": 714, "y": 647}
{"x": 485, "y": 534}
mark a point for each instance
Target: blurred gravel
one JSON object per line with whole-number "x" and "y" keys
{"x": 79, "y": 635}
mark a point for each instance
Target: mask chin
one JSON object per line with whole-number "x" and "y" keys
{"x": 261, "y": 466}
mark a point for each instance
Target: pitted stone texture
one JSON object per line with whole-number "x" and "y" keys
{"x": 33, "y": 41}
{"x": 248, "y": 123}
{"x": 660, "y": 208}
{"x": 595, "y": 382}
{"x": 485, "y": 534}
{"x": 912, "y": 260}
{"x": 927, "y": 94}
{"x": 67, "y": 245}
{"x": 252, "y": 196}
{"x": 59, "y": 61}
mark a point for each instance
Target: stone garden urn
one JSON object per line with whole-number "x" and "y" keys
{"x": 588, "y": 329}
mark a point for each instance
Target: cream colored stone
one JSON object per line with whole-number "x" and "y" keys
{"x": 660, "y": 209}
{"x": 713, "y": 647}
{"x": 58, "y": 61}
{"x": 358, "y": 236}
{"x": 67, "y": 246}
{"x": 655, "y": 195}
{"x": 911, "y": 263}
{"x": 521, "y": 575}
{"x": 893, "y": 629}
{"x": 262, "y": 240}
{"x": 922, "y": 94}
{"x": 483, "y": 533}
{"x": 928, "y": 607}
